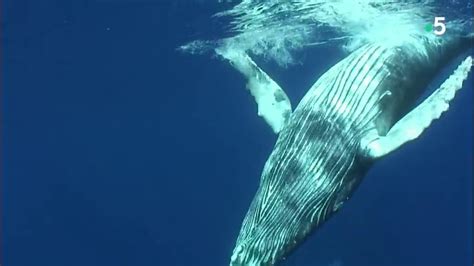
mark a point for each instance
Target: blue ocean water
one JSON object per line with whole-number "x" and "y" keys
{"x": 121, "y": 150}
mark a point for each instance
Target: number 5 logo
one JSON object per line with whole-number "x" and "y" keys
{"x": 440, "y": 27}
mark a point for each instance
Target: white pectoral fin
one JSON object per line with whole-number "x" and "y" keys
{"x": 415, "y": 122}
{"x": 273, "y": 103}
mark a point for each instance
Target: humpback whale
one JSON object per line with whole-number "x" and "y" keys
{"x": 358, "y": 111}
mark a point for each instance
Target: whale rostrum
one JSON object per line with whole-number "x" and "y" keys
{"x": 358, "y": 111}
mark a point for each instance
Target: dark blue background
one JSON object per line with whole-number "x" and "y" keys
{"x": 120, "y": 150}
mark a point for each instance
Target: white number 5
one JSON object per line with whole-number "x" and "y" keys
{"x": 440, "y": 27}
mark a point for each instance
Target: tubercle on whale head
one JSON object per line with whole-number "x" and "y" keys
{"x": 268, "y": 233}
{"x": 245, "y": 256}
{"x": 291, "y": 201}
{"x": 240, "y": 258}
{"x": 276, "y": 235}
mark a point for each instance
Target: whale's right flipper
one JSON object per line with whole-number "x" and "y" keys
{"x": 415, "y": 122}
{"x": 273, "y": 103}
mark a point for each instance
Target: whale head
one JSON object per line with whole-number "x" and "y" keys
{"x": 303, "y": 183}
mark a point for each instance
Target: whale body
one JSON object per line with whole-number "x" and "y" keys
{"x": 361, "y": 109}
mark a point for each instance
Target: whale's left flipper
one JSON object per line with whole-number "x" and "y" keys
{"x": 273, "y": 103}
{"x": 415, "y": 122}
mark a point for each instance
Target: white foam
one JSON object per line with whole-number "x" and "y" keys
{"x": 276, "y": 29}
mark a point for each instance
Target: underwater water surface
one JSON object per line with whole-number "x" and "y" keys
{"x": 120, "y": 149}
